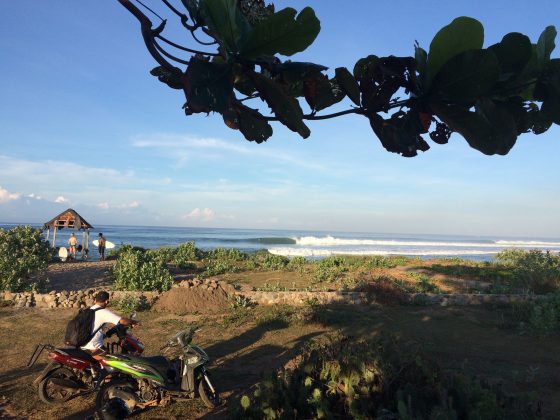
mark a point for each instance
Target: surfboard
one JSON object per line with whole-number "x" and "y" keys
{"x": 108, "y": 244}
{"x": 63, "y": 254}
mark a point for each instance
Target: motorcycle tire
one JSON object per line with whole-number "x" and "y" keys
{"x": 210, "y": 398}
{"x": 102, "y": 399}
{"x": 51, "y": 393}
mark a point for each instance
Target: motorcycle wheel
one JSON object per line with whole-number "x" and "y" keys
{"x": 103, "y": 397}
{"x": 52, "y": 393}
{"x": 210, "y": 398}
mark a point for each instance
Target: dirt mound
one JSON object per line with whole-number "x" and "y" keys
{"x": 183, "y": 300}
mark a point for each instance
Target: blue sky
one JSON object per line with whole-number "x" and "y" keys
{"x": 84, "y": 125}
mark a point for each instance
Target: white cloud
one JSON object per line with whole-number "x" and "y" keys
{"x": 204, "y": 215}
{"x": 61, "y": 199}
{"x": 124, "y": 206}
{"x": 183, "y": 148}
{"x": 6, "y": 196}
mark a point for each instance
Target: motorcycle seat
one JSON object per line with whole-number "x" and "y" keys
{"x": 78, "y": 354}
{"x": 159, "y": 362}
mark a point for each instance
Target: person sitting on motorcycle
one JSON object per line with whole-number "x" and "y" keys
{"x": 103, "y": 316}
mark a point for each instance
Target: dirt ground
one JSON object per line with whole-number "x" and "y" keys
{"x": 77, "y": 275}
{"x": 247, "y": 343}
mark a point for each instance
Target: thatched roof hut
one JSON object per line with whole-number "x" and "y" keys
{"x": 70, "y": 219}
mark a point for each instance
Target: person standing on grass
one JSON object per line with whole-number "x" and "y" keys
{"x": 73, "y": 242}
{"x": 101, "y": 247}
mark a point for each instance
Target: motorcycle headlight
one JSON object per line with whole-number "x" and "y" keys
{"x": 193, "y": 359}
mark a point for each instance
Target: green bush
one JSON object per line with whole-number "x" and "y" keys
{"x": 184, "y": 254}
{"x": 226, "y": 254}
{"x": 274, "y": 262}
{"x": 164, "y": 254}
{"x": 540, "y": 317}
{"x": 298, "y": 264}
{"x": 23, "y": 254}
{"x": 129, "y": 304}
{"x": 534, "y": 270}
{"x": 381, "y": 379}
{"x": 138, "y": 270}
{"x": 215, "y": 268}
{"x": 330, "y": 269}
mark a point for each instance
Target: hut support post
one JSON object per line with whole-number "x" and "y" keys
{"x": 54, "y": 237}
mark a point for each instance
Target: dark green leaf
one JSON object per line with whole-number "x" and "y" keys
{"x": 467, "y": 76}
{"x": 320, "y": 92}
{"x": 285, "y": 107}
{"x": 348, "y": 84}
{"x": 400, "y": 133}
{"x": 365, "y": 67}
{"x": 224, "y": 19}
{"x": 253, "y": 125}
{"x": 490, "y": 130}
{"x": 293, "y": 71}
{"x": 208, "y": 86}
{"x": 513, "y": 53}
{"x": 550, "y": 87}
{"x": 461, "y": 35}
{"x": 421, "y": 57}
{"x": 546, "y": 45}
{"x": 281, "y": 34}
{"x": 193, "y": 7}
{"x": 172, "y": 78}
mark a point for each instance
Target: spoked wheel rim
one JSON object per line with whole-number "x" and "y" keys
{"x": 51, "y": 392}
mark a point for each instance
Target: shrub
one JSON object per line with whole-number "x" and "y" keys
{"x": 137, "y": 270}
{"x": 381, "y": 378}
{"x": 540, "y": 318}
{"x": 534, "y": 270}
{"x": 298, "y": 264}
{"x": 330, "y": 269}
{"x": 23, "y": 254}
{"x": 129, "y": 304}
{"x": 184, "y": 254}
{"x": 164, "y": 254}
{"x": 226, "y": 254}
{"x": 274, "y": 262}
{"x": 215, "y": 268}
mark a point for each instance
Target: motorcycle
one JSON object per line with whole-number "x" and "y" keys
{"x": 73, "y": 370}
{"x": 140, "y": 382}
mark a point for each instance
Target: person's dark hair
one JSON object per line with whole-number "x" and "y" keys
{"x": 100, "y": 234}
{"x": 102, "y": 296}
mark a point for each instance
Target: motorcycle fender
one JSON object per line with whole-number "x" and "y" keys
{"x": 187, "y": 381}
{"x": 46, "y": 371}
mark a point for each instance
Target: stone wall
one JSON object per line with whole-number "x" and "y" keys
{"x": 66, "y": 299}
{"x": 84, "y": 298}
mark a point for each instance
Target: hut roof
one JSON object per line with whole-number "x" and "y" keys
{"x": 68, "y": 219}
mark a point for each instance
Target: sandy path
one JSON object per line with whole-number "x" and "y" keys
{"x": 77, "y": 275}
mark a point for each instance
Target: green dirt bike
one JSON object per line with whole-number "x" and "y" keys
{"x": 140, "y": 382}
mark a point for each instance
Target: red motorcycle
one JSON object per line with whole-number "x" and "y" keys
{"x": 73, "y": 371}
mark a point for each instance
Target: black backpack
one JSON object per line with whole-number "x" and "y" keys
{"x": 79, "y": 329}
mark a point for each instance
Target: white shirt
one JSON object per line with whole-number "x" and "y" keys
{"x": 102, "y": 316}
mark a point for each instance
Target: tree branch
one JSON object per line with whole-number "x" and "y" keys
{"x": 147, "y": 34}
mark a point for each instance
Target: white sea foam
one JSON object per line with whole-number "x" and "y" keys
{"x": 332, "y": 241}
{"x": 310, "y": 252}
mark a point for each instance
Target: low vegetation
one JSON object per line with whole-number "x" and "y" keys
{"x": 24, "y": 255}
{"x": 139, "y": 270}
{"x": 381, "y": 378}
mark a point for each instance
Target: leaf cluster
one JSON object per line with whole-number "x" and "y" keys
{"x": 489, "y": 95}
{"x": 24, "y": 253}
{"x": 376, "y": 379}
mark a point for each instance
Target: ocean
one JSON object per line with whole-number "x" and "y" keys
{"x": 313, "y": 244}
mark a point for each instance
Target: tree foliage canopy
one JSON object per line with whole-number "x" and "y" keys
{"x": 488, "y": 95}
